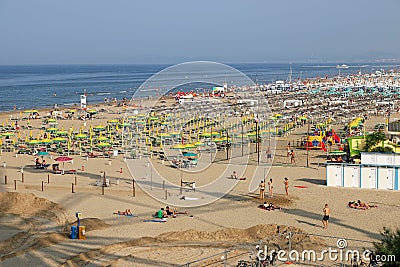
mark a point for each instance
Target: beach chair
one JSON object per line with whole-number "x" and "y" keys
{"x": 100, "y": 182}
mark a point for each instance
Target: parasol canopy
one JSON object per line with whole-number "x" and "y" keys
{"x": 63, "y": 159}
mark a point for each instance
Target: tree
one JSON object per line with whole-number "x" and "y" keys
{"x": 389, "y": 245}
{"x": 373, "y": 140}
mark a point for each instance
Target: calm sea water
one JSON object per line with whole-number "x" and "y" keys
{"x": 40, "y": 86}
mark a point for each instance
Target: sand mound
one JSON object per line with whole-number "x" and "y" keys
{"x": 29, "y": 205}
{"x": 26, "y": 211}
{"x": 281, "y": 201}
{"x": 275, "y": 234}
{"x": 272, "y": 234}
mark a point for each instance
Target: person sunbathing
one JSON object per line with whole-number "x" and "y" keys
{"x": 161, "y": 214}
{"x": 234, "y": 175}
{"x": 126, "y": 212}
{"x": 365, "y": 206}
{"x": 360, "y": 205}
{"x": 354, "y": 205}
{"x": 173, "y": 212}
{"x": 269, "y": 206}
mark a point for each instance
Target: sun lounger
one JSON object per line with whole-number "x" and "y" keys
{"x": 156, "y": 220}
{"x": 100, "y": 182}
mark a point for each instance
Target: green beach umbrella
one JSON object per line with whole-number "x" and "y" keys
{"x": 99, "y": 128}
{"x": 60, "y": 139}
{"x": 62, "y": 133}
{"x": 164, "y": 135}
{"x": 188, "y": 146}
{"x": 7, "y": 134}
{"x": 125, "y": 124}
{"x": 208, "y": 134}
{"x": 102, "y": 138}
{"x": 178, "y": 146}
{"x": 198, "y": 143}
{"x": 33, "y": 142}
{"x": 113, "y": 121}
{"x": 51, "y": 130}
{"x": 103, "y": 144}
{"x": 42, "y": 153}
{"x": 81, "y": 136}
{"x": 45, "y": 141}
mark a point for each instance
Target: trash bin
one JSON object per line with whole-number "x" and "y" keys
{"x": 74, "y": 232}
{"x": 81, "y": 232}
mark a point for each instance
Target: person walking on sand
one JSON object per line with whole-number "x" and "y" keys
{"x": 325, "y": 219}
{"x": 292, "y": 158}
{"x": 270, "y": 188}
{"x": 286, "y": 182}
{"x": 262, "y": 189}
{"x": 288, "y": 150}
{"x": 269, "y": 155}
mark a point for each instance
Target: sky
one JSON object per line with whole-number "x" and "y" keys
{"x": 230, "y": 31}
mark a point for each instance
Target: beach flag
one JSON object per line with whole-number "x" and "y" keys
{"x": 323, "y": 147}
{"x": 335, "y": 136}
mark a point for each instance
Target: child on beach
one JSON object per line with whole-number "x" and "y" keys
{"x": 270, "y": 188}
{"x": 262, "y": 189}
{"x": 286, "y": 183}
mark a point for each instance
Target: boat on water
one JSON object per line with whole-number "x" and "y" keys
{"x": 343, "y": 66}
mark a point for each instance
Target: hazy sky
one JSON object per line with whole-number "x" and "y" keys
{"x": 130, "y": 31}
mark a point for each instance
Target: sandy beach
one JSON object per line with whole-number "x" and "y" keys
{"x": 35, "y": 223}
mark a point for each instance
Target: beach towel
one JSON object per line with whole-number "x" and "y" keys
{"x": 156, "y": 220}
{"x": 126, "y": 215}
{"x": 301, "y": 186}
{"x": 189, "y": 198}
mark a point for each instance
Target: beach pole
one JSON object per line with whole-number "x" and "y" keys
{"x": 226, "y": 257}
{"x": 163, "y": 184}
{"x": 72, "y": 188}
{"x": 307, "y": 148}
{"x": 42, "y": 186}
{"x": 102, "y": 189}
{"x": 166, "y": 194}
{"x": 15, "y": 185}
{"x": 133, "y": 188}
{"x": 5, "y": 179}
{"x": 75, "y": 180}
{"x": 48, "y": 178}
{"x": 227, "y": 145}
{"x": 242, "y": 137}
{"x": 22, "y": 176}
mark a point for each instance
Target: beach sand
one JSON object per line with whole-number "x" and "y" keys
{"x": 35, "y": 223}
